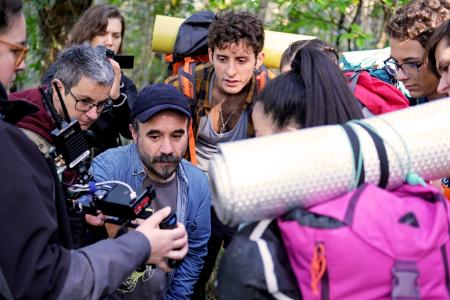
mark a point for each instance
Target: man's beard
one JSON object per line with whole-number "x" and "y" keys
{"x": 166, "y": 171}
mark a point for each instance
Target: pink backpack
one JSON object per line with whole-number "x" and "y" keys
{"x": 371, "y": 244}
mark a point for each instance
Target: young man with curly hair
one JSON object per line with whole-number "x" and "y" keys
{"x": 409, "y": 30}
{"x": 224, "y": 92}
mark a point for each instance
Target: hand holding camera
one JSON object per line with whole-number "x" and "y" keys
{"x": 172, "y": 244}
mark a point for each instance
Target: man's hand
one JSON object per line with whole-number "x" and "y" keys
{"x": 115, "y": 89}
{"x": 165, "y": 243}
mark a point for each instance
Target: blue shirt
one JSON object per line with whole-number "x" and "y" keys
{"x": 193, "y": 208}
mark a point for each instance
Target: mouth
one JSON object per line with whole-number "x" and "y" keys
{"x": 231, "y": 83}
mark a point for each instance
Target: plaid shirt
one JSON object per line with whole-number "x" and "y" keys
{"x": 201, "y": 106}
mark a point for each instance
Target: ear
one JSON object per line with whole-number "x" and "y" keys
{"x": 58, "y": 83}
{"x": 259, "y": 60}
{"x": 210, "y": 54}
{"x": 134, "y": 133}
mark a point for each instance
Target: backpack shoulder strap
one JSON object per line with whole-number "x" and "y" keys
{"x": 262, "y": 77}
{"x": 186, "y": 78}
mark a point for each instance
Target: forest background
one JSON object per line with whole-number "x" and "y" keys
{"x": 347, "y": 24}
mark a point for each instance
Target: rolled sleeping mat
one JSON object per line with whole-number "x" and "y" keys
{"x": 268, "y": 176}
{"x": 166, "y": 28}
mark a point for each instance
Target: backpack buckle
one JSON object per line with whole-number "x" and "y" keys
{"x": 404, "y": 281}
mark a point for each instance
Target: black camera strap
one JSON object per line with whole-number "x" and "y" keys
{"x": 46, "y": 96}
{"x": 63, "y": 105}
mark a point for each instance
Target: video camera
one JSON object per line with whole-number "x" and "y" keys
{"x": 73, "y": 156}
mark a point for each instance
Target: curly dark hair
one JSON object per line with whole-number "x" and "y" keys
{"x": 233, "y": 27}
{"x": 8, "y": 8}
{"x": 441, "y": 33}
{"x": 417, "y": 20}
{"x": 93, "y": 22}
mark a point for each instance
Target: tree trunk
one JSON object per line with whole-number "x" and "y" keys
{"x": 56, "y": 19}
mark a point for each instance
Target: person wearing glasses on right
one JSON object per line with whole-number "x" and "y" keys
{"x": 409, "y": 30}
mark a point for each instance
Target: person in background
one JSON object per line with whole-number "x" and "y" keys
{"x": 289, "y": 53}
{"x": 104, "y": 25}
{"x": 409, "y": 30}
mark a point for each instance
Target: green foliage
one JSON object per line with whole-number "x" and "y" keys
{"x": 348, "y": 24}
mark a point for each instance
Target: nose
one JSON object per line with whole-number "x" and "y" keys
{"x": 166, "y": 146}
{"x": 442, "y": 87}
{"x": 92, "y": 114}
{"x": 21, "y": 67}
{"x": 401, "y": 76}
{"x": 108, "y": 40}
{"x": 231, "y": 69}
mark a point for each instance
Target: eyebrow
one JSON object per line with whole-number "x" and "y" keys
{"x": 410, "y": 59}
{"x": 182, "y": 131}
{"x": 153, "y": 131}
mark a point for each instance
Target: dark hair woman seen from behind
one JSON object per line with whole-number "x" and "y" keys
{"x": 104, "y": 25}
{"x": 312, "y": 93}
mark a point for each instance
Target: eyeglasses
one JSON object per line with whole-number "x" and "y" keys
{"x": 408, "y": 68}
{"x": 86, "y": 105}
{"x": 19, "y": 51}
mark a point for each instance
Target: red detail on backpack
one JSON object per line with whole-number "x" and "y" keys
{"x": 378, "y": 96}
{"x": 372, "y": 231}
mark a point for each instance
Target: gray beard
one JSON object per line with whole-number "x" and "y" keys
{"x": 167, "y": 171}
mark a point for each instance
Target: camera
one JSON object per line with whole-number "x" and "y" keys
{"x": 124, "y": 61}
{"x": 73, "y": 156}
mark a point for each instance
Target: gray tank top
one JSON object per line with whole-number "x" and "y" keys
{"x": 208, "y": 138}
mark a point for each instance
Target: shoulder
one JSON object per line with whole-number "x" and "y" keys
{"x": 193, "y": 173}
{"x": 17, "y": 149}
{"x": 31, "y": 95}
{"x": 116, "y": 155}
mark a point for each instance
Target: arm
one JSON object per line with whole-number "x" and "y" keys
{"x": 187, "y": 273}
{"x": 97, "y": 270}
{"x": 123, "y": 94}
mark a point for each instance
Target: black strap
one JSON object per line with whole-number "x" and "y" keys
{"x": 354, "y": 141}
{"x": 5, "y": 292}
{"x": 353, "y": 81}
{"x": 382, "y": 155}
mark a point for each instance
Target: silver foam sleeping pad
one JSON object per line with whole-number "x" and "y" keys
{"x": 268, "y": 176}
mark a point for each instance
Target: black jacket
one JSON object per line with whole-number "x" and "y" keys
{"x": 27, "y": 193}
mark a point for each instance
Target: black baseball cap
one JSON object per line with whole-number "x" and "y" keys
{"x": 158, "y": 97}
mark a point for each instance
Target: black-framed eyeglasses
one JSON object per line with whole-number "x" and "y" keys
{"x": 408, "y": 68}
{"x": 86, "y": 105}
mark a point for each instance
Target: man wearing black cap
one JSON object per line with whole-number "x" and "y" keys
{"x": 160, "y": 121}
